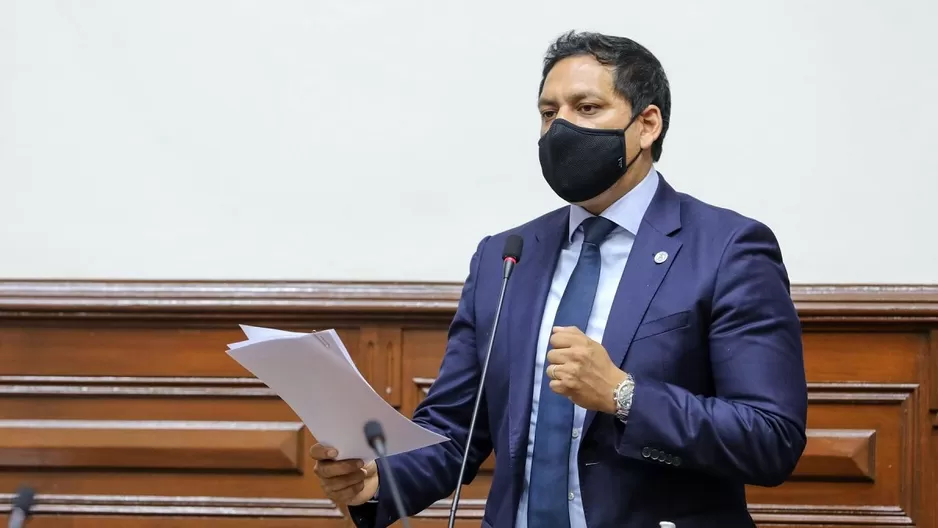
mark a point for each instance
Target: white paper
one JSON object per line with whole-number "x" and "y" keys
{"x": 331, "y": 339}
{"x": 259, "y": 333}
{"x": 315, "y": 376}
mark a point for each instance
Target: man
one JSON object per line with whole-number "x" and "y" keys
{"x": 649, "y": 359}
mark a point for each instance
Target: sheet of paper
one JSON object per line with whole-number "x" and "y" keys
{"x": 328, "y": 393}
{"x": 260, "y": 333}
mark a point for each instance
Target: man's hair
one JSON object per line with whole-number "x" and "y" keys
{"x": 639, "y": 76}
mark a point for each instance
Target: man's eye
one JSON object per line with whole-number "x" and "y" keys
{"x": 588, "y": 108}
{"x": 547, "y": 114}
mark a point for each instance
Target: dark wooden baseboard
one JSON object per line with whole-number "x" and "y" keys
{"x": 120, "y": 405}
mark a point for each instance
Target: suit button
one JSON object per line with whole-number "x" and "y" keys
{"x": 646, "y": 452}
{"x": 654, "y": 454}
{"x": 669, "y": 459}
{"x": 677, "y": 461}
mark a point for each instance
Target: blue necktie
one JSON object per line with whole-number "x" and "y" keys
{"x": 548, "y": 505}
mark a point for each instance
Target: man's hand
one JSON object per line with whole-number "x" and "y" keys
{"x": 346, "y": 482}
{"x": 580, "y": 369}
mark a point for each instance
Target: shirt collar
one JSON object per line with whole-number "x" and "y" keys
{"x": 626, "y": 212}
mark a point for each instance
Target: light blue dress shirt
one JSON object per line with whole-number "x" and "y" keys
{"x": 627, "y": 214}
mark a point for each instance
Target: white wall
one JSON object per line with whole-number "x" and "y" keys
{"x": 220, "y": 139}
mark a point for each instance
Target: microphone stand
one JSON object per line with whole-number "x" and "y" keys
{"x": 395, "y": 491}
{"x": 508, "y": 267}
{"x": 374, "y": 433}
{"x": 22, "y": 506}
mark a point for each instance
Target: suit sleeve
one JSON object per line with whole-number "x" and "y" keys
{"x": 427, "y": 475}
{"x": 753, "y": 428}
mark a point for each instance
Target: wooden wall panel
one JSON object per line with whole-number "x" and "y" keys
{"x": 929, "y": 488}
{"x": 845, "y": 454}
{"x": 150, "y": 445}
{"x": 120, "y": 406}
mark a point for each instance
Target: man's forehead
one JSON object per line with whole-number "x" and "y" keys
{"x": 577, "y": 77}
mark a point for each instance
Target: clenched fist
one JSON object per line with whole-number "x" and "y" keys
{"x": 580, "y": 369}
{"x": 347, "y": 482}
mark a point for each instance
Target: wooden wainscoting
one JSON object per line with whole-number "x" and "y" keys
{"x": 120, "y": 406}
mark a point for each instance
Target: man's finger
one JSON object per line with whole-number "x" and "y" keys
{"x": 565, "y": 356}
{"x": 573, "y": 330}
{"x": 558, "y": 356}
{"x": 343, "y": 481}
{"x": 323, "y": 452}
{"x": 567, "y": 340}
{"x": 559, "y": 387}
{"x": 345, "y": 495}
{"x": 330, "y": 469}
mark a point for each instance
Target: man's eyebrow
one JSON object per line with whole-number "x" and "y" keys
{"x": 545, "y": 101}
{"x": 575, "y": 97}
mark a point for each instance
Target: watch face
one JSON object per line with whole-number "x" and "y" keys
{"x": 624, "y": 398}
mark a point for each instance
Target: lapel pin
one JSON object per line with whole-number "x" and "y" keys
{"x": 661, "y": 256}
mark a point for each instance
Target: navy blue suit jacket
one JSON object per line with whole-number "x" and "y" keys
{"x": 711, "y": 337}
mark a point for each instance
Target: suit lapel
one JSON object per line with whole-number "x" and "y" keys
{"x": 532, "y": 281}
{"x": 649, "y": 261}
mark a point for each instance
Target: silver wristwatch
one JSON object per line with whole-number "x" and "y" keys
{"x": 623, "y": 397}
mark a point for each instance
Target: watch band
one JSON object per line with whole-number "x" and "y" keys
{"x": 623, "y": 397}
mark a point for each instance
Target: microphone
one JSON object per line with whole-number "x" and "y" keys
{"x": 22, "y": 504}
{"x": 511, "y": 256}
{"x": 374, "y": 433}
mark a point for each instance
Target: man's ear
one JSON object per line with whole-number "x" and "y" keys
{"x": 651, "y": 124}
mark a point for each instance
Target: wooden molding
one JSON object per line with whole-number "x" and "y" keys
{"x": 388, "y": 300}
{"x": 838, "y": 454}
{"x": 469, "y": 509}
{"x": 178, "y": 506}
{"x": 789, "y": 515}
{"x": 860, "y": 393}
{"x": 163, "y": 387}
{"x": 217, "y": 299}
{"x": 932, "y": 366}
{"x": 160, "y": 444}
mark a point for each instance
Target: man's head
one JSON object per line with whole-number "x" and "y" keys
{"x": 595, "y": 81}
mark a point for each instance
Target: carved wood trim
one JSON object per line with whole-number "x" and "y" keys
{"x": 860, "y": 393}
{"x": 838, "y": 454}
{"x": 764, "y": 514}
{"x": 423, "y": 385}
{"x": 208, "y": 300}
{"x": 932, "y": 362}
{"x": 906, "y": 396}
{"x": 159, "y": 444}
{"x": 178, "y": 506}
{"x": 157, "y": 387}
{"x": 382, "y": 360}
{"x": 790, "y": 515}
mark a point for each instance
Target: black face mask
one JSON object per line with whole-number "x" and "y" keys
{"x": 581, "y": 163}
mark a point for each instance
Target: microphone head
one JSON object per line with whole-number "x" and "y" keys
{"x": 374, "y": 432}
{"x": 25, "y": 497}
{"x": 513, "y": 246}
